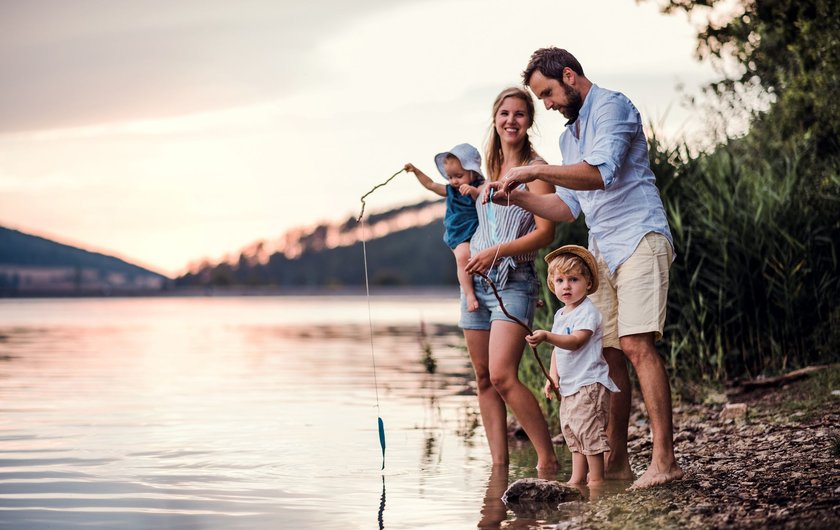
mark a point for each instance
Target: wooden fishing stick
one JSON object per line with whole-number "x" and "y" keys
{"x": 362, "y": 213}
{"x": 528, "y": 329}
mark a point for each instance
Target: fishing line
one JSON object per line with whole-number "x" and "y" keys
{"x": 380, "y": 423}
{"x": 491, "y": 219}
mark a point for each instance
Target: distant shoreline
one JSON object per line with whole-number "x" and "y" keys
{"x": 436, "y": 291}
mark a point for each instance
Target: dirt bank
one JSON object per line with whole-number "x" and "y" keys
{"x": 775, "y": 468}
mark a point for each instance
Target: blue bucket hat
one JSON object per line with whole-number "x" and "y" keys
{"x": 466, "y": 154}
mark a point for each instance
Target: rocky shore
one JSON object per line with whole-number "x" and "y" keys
{"x": 763, "y": 459}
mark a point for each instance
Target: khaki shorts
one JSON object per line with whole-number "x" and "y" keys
{"x": 583, "y": 419}
{"x": 633, "y": 299}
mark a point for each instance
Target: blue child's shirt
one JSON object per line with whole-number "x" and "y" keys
{"x": 461, "y": 219}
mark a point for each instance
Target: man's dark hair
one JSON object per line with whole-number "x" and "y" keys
{"x": 551, "y": 62}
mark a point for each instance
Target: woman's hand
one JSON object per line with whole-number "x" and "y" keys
{"x": 409, "y": 167}
{"x": 493, "y": 190}
{"x": 537, "y": 338}
{"x": 482, "y": 261}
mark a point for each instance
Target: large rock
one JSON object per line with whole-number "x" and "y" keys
{"x": 537, "y": 490}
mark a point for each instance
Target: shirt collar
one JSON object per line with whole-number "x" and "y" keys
{"x": 587, "y": 104}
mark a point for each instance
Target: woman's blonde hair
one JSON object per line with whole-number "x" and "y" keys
{"x": 493, "y": 154}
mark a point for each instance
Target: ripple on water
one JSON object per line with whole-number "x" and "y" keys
{"x": 238, "y": 413}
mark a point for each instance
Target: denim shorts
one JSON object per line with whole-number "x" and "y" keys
{"x": 519, "y": 295}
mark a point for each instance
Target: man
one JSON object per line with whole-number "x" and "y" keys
{"x": 606, "y": 175}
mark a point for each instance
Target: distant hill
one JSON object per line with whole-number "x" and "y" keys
{"x": 32, "y": 265}
{"x": 404, "y": 248}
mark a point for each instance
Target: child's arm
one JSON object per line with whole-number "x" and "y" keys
{"x": 570, "y": 342}
{"x": 467, "y": 189}
{"x": 425, "y": 181}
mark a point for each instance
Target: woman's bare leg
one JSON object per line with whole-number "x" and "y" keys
{"x": 490, "y": 403}
{"x": 507, "y": 341}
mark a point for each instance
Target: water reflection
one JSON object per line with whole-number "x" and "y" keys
{"x": 242, "y": 413}
{"x": 493, "y": 510}
{"x": 380, "y": 516}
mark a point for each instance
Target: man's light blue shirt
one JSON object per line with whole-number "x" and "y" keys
{"x": 612, "y": 139}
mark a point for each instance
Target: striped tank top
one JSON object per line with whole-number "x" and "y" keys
{"x": 501, "y": 225}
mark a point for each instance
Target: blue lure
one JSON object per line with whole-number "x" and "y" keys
{"x": 382, "y": 440}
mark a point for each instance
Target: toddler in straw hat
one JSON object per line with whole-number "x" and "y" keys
{"x": 461, "y": 167}
{"x": 578, "y": 366}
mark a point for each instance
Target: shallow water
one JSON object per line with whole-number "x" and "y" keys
{"x": 251, "y": 412}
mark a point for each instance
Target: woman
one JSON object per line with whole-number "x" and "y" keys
{"x": 504, "y": 248}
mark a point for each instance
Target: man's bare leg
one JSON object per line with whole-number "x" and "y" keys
{"x": 656, "y": 392}
{"x": 616, "y": 461}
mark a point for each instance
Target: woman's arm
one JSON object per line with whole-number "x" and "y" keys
{"x": 553, "y": 375}
{"x": 538, "y": 238}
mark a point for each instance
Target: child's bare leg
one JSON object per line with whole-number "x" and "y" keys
{"x": 462, "y": 255}
{"x": 580, "y": 467}
{"x": 596, "y": 468}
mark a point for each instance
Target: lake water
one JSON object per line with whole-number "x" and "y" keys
{"x": 242, "y": 412}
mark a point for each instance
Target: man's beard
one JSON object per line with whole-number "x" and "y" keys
{"x": 574, "y": 105}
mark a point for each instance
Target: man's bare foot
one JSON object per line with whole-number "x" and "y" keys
{"x": 621, "y": 472}
{"x": 654, "y": 476}
{"x": 548, "y": 471}
{"x": 472, "y": 303}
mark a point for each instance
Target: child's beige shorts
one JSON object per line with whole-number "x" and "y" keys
{"x": 583, "y": 419}
{"x": 633, "y": 299}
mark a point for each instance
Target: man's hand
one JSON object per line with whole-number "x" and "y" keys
{"x": 517, "y": 176}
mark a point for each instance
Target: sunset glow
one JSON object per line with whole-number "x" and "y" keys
{"x": 166, "y": 134}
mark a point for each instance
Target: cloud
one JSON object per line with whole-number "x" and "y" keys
{"x": 68, "y": 64}
{"x": 171, "y": 130}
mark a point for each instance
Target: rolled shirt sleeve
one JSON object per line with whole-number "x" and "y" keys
{"x": 616, "y": 123}
{"x": 570, "y": 198}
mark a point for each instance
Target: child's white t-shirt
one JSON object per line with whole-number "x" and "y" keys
{"x": 586, "y": 365}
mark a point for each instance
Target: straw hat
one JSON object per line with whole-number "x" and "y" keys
{"x": 582, "y": 253}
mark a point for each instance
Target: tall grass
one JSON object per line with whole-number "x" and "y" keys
{"x": 754, "y": 288}
{"x": 756, "y": 271}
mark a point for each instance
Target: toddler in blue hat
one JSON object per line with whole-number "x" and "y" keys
{"x": 461, "y": 167}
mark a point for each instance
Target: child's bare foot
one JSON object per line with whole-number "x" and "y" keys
{"x": 472, "y": 303}
{"x": 654, "y": 476}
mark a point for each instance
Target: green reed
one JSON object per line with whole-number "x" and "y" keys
{"x": 754, "y": 287}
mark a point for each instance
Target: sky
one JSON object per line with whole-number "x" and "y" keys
{"x": 166, "y": 132}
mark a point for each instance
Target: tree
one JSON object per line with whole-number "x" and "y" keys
{"x": 787, "y": 54}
